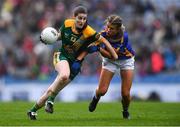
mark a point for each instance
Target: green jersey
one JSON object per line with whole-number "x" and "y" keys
{"x": 72, "y": 43}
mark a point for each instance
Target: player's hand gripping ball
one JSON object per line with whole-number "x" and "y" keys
{"x": 49, "y": 35}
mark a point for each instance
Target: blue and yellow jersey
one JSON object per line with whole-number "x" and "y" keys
{"x": 122, "y": 44}
{"x": 72, "y": 43}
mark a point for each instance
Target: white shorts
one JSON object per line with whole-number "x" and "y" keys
{"x": 117, "y": 65}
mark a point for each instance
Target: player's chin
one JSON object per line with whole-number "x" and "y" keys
{"x": 80, "y": 26}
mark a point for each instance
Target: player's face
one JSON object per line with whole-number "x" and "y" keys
{"x": 81, "y": 20}
{"x": 111, "y": 30}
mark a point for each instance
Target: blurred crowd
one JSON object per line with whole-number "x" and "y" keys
{"x": 153, "y": 26}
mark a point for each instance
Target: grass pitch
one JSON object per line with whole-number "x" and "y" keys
{"x": 106, "y": 114}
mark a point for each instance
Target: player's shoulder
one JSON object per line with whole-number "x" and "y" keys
{"x": 125, "y": 36}
{"x": 125, "y": 33}
{"x": 88, "y": 31}
{"x": 69, "y": 22}
{"x": 103, "y": 33}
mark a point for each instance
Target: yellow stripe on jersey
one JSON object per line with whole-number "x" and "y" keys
{"x": 69, "y": 22}
{"x": 56, "y": 58}
{"x": 128, "y": 53}
{"x": 88, "y": 31}
{"x": 122, "y": 39}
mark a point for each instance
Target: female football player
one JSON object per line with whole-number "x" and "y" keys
{"x": 76, "y": 35}
{"x": 117, "y": 36}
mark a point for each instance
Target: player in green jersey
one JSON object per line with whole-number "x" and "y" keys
{"x": 76, "y": 36}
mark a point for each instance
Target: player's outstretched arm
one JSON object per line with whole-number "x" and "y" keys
{"x": 105, "y": 53}
{"x": 82, "y": 55}
{"x": 109, "y": 47}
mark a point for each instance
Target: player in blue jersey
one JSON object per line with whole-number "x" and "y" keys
{"x": 115, "y": 33}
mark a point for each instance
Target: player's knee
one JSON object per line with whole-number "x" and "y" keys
{"x": 125, "y": 94}
{"x": 49, "y": 91}
{"x": 102, "y": 91}
{"x": 64, "y": 77}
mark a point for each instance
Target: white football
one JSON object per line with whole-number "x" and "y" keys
{"x": 49, "y": 35}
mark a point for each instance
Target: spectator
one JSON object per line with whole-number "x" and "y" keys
{"x": 149, "y": 24}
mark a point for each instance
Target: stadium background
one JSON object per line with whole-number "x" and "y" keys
{"x": 26, "y": 67}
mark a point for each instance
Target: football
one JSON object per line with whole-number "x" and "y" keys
{"x": 49, "y": 35}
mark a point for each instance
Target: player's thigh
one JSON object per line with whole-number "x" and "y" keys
{"x": 62, "y": 67}
{"x": 126, "y": 79}
{"x": 61, "y": 64}
{"x": 105, "y": 78}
